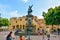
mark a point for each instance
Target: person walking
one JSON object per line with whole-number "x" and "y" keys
{"x": 38, "y": 32}
{"x": 48, "y": 33}
{"x": 21, "y": 38}
{"x": 42, "y": 34}
{"x": 9, "y": 36}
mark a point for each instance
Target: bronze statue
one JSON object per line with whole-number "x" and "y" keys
{"x": 29, "y": 9}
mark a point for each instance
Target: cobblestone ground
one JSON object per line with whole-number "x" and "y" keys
{"x": 3, "y": 35}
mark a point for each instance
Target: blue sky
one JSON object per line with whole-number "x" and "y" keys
{"x": 18, "y": 8}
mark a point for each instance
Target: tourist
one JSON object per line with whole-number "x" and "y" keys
{"x": 43, "y": 34}
{"x": 38, "y": 32}
{"x": 21, "y": 38}
{"x": 48, "y": 33}
{"x": 9, "y": 36}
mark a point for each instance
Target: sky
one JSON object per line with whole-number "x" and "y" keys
{"x": 19, "y": 8}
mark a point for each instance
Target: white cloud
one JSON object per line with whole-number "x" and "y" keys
{"x": 3, "y": 10}
{"x": 25, "y": 1}
{"x": 53, "y": 3}
{"x": 14, "y": 14}
{"x": 5, "y": 13}
{"x": 40, "y": 17}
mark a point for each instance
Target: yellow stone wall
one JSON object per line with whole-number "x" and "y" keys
{"x": 20, "y": 23}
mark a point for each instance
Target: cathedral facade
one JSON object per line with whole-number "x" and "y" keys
{"x": 20, "y": 23}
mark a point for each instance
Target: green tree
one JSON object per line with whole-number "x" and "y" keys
{"x": 4, "y": 22}
{"x": 1, "y": 22}
{"x": 57, "y": 13}
{"x": 52, "y": 16}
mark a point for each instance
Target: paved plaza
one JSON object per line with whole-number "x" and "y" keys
{"x": 3, "y": 35}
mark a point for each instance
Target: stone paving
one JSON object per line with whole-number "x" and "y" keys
{"x": 3, "y": 35}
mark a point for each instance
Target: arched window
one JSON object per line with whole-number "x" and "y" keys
{"x": 36, "y": 20}
{"x": 23, "y": 26}
{"x": 16, "y": 21}
{"x": 20, "y": 19}
{"x": 17, "y": 26}
{"x": 40, "y": 26}
{"x": 13, "y": 27}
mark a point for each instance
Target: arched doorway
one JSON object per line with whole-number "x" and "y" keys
{"x": 13, "y": 27}
{"x": 17, "y": 26}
